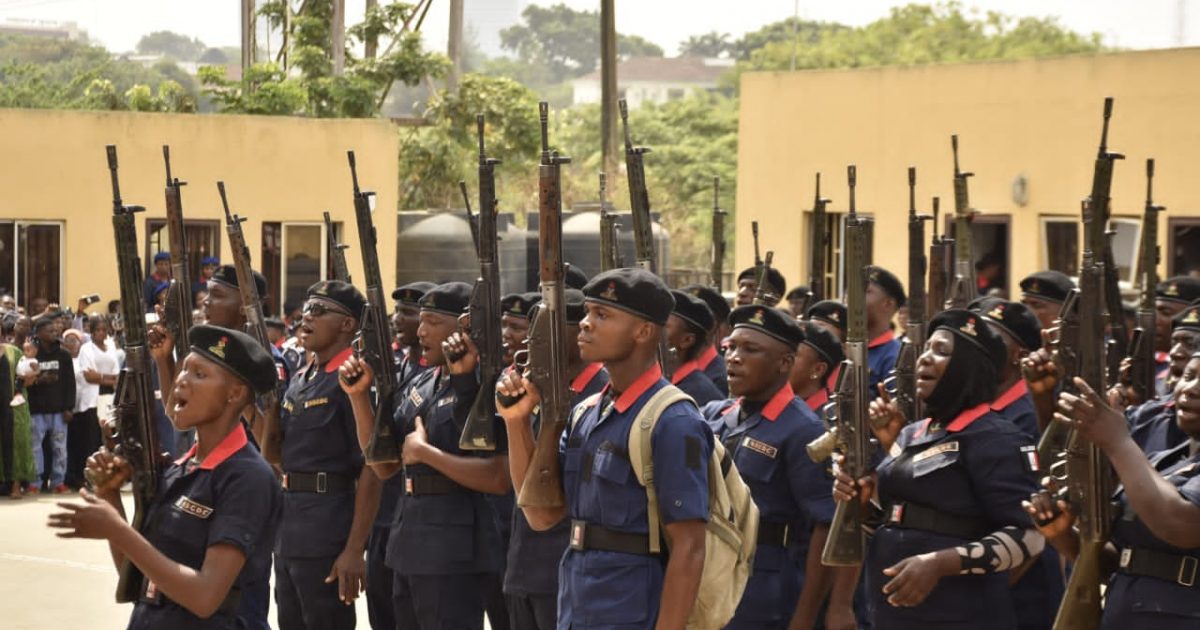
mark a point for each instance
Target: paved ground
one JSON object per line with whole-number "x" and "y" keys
{"x": 52, "y": 583}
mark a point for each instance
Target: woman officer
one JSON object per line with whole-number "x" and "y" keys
{"x": 951, "y": 488}
{"x": 213, "y": 521}
{"x": 1156, "y": 527}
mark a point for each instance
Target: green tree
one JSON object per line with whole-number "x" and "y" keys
{"x": 711, "y": 44}
{"x": 784, "y": 31}
{"x": 173, "y": 45}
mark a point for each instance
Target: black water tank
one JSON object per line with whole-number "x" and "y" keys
{"x": 437, "y": 247}
{"x": 581, "y": 239}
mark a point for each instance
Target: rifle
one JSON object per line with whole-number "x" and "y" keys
{"x": 964, "y": 288}
{"x": 256, "y": 326}
{"x": 1088, "y": 473}
{"x": 133, "y": 409}
{"x": 758, "y": 261}
{"x": 817, "y": 241}
{"x": 337, "y": 252}
{"x": 610, "y": 247}
{"x": 639, "y": 198}
{"x": 1063, "y": 343}
{"x": 547, "y": 351}
{"x": 914, "y": 339}
{"x": 718, "y": 236}
{"x": 844, "y": 546}
{"x": 1118, "y": 338}
{"x": 484, "y": 311}
{"x": 1141, "y": 368}
{"x": 177, "y": 313}
{"x": 762, "y": 295}
{"x": 941, "y": 262}
{"x": 373, "y": 343}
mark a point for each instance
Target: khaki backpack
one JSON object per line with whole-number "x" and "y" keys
{"x": 732, "y": 529}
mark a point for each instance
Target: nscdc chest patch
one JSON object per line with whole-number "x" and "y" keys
{"x": 760, "y": 447}
{"x": 191, "y": 507}
{"x": 1029, "y": 457}
{"x": 316, "y": 402}
{"x": 415, "y": 398}
{"x": 948, "y": 447}
{"x": 449, "y": 400}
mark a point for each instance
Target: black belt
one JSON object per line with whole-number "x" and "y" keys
{"x": 914, "y": 516}
{"x": 320, "y": 482}
{"x": 586, "y": 536}
{"x": 1169, "y": 567}
{"x": 151, "y": 595}
{"x": 773, "y": 534}
{"x": 431, "y": 484}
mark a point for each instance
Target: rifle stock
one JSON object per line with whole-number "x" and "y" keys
{"x": 817, "y": 241}
{"x": 547, "y": 353}
{"x": 133, "y": 409}
{"x": 963, "y": 288}
{"x": 177, "y": 314}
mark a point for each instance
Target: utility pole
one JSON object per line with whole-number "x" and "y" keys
{"x": 249, "y": 43}
{"x": 608, "y": 87}
{"x": 371, "y": 44}
{"x": 454, "y": 46}
{"x": 337, "y": 26}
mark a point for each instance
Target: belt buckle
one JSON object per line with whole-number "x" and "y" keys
{"x": 1187, "y": 572}
{"x": 408, "y": 485}
{"x": 577, "y": 531}
{"x": 1126, "y": 557}
{"x": 322, "y": 483}
{"x": 285, "y": 481}
{"x": 897, "y": 515}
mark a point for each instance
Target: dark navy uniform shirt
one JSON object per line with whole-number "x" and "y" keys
{"x": 787, "y": 486}
{"x": 452, "y": 533}
{"x": 1152, "y": 426}
{"x": 689, "y": 378}
{"x": 978, "y": 466}
{"x": 393, "y": 487}
{"x": 611, "y": 590}
{"x": 1162, "y": 372}
{"x": 533, "y": 556}
{"x": 231, "y": 498}
{"x": 882, "y": 353}
{"x": 1016, "y": 406}
{"x": 1147, "y": 602}
{"x": 319, "y": 435}
{"x": 713, "y": 364}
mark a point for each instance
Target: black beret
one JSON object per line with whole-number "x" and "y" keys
{"x": 227, "y": 274}
{"x": 890, "y": 284}
{"x": 411, "y": 293}
{"x": 519, "y": 304}
{"x": 771, "y": 321}
{"x": 713, "y": 298}
{"x": 451, "y": 298}
{"x": 1180, "y": 289}
{"x": 633, "y": 290}
{"x": 966, "y": 325}
{"x": 798, "y": 293}
{"x": 775, "y": 281}
{"x": 275, "y": 322}
{"x": 574, "y": 304}
{"x": 1187, "y": 319}
{"x": 692, "y": 310}
{"x": 237, "y": 352}
{"x": 1013, "y": 318}
{"x": 341, "y": 293}
{"x": 825, "y": 343}
{"x": 1052, "y": 286}
{"x": 574, "y": 277}
{"x": 830, "y": 311}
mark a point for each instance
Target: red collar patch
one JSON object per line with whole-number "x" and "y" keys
{"x": 778, "y": 402}
{"x": 682, "y": 371}
{"x": 585, "y": 377}
{"x": 965, "y": 418}
{"x": 817, "y": 400}
{"x": 337, "y": 360}
{"x": 881, "y": 339}
{"x": 706, "y": 358}
{"x": 1011, "y": 396}
{"x": 639, "y": 387}
{"x": 230, "y": 444}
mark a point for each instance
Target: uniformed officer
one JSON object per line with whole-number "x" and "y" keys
{"x": 710, "y": 360}
{"x": 951, "y": 489}
{"x": 830, "y": 315}
{"x": 444, "y": 539}
{"x": 212, "y": 523}
{"x": 1156, "y": 526}
{"x": 531, "y": 575}
{"x": 608, "y": 578}
{"x": 514, "y": 321}
{"x": 817, "y": 356}
{"x": 885, "y": 295}
{"x": 797, "y": 300}
{"x": 573, "y": 276}
{"x": 766, "y": 429}
{"x": 1153, "y": 425}
{"x": 1170, "y": 298}
{"x": 747, "y": 283}
{"x": 380, "y": 609}
{"x": 687, "y": 336}
{"x": 1044, "y": 293}
{"x": 330, "y": 498}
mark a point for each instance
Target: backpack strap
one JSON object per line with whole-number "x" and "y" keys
{"x": 640, "y": 450}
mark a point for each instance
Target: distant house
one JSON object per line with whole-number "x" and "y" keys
{"x": 654, "y": 79}
{"x": 43, "y": 28}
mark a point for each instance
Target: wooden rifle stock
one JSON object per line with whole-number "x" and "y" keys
{"x": 178, "y": 309}
{"x": 818, "y": 240}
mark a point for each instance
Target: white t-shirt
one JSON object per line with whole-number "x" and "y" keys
{"x": 91, "y": 357}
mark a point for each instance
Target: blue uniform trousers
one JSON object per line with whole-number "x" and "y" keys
{"x": 439, "y": 602}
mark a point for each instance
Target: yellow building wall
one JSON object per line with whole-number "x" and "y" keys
{"x": 53, "y": 167}
{"x": 1040, "y": 118}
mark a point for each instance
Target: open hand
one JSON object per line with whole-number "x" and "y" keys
{"x": 350, "y": 572}
{"x": 92, "y": 518}
{"x": 1095, "y": 420}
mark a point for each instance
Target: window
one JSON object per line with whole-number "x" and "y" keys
{"x": 294, "y": 258}
{"x": 1126, "y": 240}
{"x": 674, "y": 94}
{"x": 31, "y": 260}
{"x": 1060, "y": 244}
{"x": 203, "y": 239}
{"x": 1183, "y": 246}
{"x": 272, "y": 261}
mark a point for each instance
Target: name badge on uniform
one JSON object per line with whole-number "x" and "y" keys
{"x": 935, "y": 458}
{"x": 1029, "y": 456}
{"x": 191, "y": 507}
{"x": 760, "y": 447}
{"x": 449, "y": 400}
{"x": 316, "y": 402}
{"x": 415, "y": 397}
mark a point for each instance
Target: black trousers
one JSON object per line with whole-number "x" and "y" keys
{"x": 439, "y": 602}
{"x": 304, "y": 601}
{"x": 83, "y": 439}
{"x": 380, "y": 610}
{"x": 533, "y": 612}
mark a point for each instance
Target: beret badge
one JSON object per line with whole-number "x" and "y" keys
{"x": 757, "y": 318}
{"x": 219, "y": 348}
{"x": 610, "y": 293}
{"x": 969, "y": 327}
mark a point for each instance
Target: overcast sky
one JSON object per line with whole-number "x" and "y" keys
{"x": 119, "y": 23}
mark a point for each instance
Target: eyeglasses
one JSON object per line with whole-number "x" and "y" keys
{"x": 317, "y": 309}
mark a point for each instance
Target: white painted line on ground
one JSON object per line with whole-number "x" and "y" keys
{"x": 54, "y": 561}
